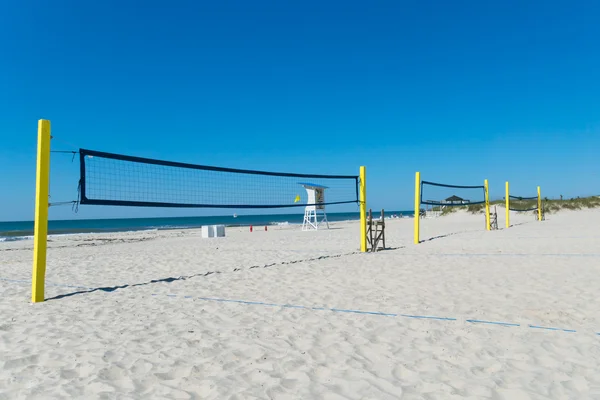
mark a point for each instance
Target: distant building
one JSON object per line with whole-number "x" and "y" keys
{"x": 455, "y": 200}
{"x": 432, "y": 211}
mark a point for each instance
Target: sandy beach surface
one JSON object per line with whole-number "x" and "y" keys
{"x": 510, "y": 314}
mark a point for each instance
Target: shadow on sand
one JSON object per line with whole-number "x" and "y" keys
{"x": 110, "y": 289}
{"x": 445, "y": 236}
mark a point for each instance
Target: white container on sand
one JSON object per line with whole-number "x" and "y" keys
{"x": 210, "y": 231}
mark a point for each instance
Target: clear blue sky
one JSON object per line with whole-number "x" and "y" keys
{"x": 459, "y": 90}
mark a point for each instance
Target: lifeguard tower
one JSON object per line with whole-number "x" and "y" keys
{"x": 314, "y": 205}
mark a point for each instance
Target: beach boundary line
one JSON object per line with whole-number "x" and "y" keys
{"x": 504, "y": 254}
{"x": 472, "y": 321}
{"x": 375, "y": 313}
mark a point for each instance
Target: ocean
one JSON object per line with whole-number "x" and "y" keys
{"x": 22, "y": 230}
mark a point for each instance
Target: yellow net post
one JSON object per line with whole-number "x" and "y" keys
{"x": 487, "y": 205}
{"x": 539, "y": 204}
{"x": 417, "y": 205}
{"x": 363, "y": 209}
{"x": 40, "y": 237}
{"x": 507, "y": 206}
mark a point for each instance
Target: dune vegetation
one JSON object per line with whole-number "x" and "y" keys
{"x": 550, "y": 206}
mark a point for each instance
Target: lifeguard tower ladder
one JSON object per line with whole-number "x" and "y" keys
{"x": 314, "y": 206}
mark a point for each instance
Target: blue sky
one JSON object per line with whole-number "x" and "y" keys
{"x": 461, "y": 91}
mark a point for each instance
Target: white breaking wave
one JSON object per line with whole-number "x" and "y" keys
{"x": 15, "y": 238}
{"x": 284, "y": 223}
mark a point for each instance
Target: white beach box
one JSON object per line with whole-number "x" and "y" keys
{"x": 219, "y": 230}
{"x": 207, "y": 231}
{"x": 210, "y": 231}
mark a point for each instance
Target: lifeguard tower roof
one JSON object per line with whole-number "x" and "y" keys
{"x": 312, "y": 185}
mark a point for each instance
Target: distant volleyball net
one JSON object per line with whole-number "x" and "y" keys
{"x": 122, "y": 180}
{"x": 444, "y": 195}
{"x": 523, "y": 204}
{"x": 438, "y": 197}
{"x": 520, "y": 204}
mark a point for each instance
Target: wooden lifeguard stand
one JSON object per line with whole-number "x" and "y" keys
{"x": 314, "y": 205}
{"x": 493, "y": 220}
{"x": 376, "y": 232}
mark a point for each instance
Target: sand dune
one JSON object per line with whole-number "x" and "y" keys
{"x": 286, "y": 314}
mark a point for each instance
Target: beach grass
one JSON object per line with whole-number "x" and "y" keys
{"x": 551, "y": 206}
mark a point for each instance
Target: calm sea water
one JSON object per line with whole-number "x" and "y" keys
{"x": 24, "y": 229}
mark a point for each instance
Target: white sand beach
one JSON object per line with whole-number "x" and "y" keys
{"x": 287, "y": 314}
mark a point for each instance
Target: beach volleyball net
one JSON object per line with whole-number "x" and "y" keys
{"x": 523, "y": 204}
{"x": 443, "y": 195}
{"x": 111, "y": 179}
{"x": 122, "y": 180}
{"x": 433, "y": 199}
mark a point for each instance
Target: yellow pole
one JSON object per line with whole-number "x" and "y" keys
{"x": 507, "y": 206}
{"x": 417, "y": 205}
{"x": 539, "y": 204}
{"x": 40, "y": 237}
{"x": 363, "y": 209}
{"x": 487, "y": 205}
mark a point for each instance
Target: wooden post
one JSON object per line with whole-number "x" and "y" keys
{"x": 370, "y": 229}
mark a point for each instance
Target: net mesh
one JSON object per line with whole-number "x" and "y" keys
{"x": 523, "y": 204}
{"x": 439, "y": 194}
{"x": 114, "y": 179}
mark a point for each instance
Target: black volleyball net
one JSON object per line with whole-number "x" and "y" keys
{"x": 440, "y": 194}
{"x": 522, "y": 204}
{"x": 121, "y": 180}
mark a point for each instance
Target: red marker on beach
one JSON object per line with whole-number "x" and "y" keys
{"x": 250, "y": 228}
